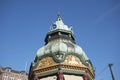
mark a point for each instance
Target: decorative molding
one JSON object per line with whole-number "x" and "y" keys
{"x": 46, "y": 70}
{"x": 46, "y": 62}
{"x": 71, "y": 63}
{"x": 73, "y": 60}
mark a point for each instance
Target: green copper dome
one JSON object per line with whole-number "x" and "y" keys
{"x": 60, "y": 54}
{"x": 63, "y": 46}
{"x": 61, "y": 41}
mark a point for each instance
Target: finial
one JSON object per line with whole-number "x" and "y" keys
{"x": 58, "y": 17}
{"x": 58, "y": 24}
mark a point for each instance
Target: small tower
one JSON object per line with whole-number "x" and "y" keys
{"x": 61, "y": 58}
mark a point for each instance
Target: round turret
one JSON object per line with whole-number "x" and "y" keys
{"x": 61, "y": 56}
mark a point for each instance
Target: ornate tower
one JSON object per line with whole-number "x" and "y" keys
{"x": 61, "y": 58}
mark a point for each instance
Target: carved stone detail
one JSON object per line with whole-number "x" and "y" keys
{"x": 73, "y": 60}
{"x": 46, "y": 62}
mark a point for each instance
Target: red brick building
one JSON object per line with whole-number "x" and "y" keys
{"x": 8, "y": 73}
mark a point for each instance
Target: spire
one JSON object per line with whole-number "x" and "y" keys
{"x": 59, "y": 17}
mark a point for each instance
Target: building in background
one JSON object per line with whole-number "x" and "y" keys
{"x": 61, "y": 58}
{"x": 10, "y": 74}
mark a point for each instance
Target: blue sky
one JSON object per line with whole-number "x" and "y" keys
{"x": 96, "y": 24}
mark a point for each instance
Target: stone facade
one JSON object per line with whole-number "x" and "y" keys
{"x": 10, "y": 74}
